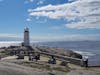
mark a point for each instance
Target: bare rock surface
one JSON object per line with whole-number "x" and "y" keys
{"x": 9, "y": 68}
{"x": 14, "y": 69}
{"x": 59, "y": 51}
{"x": 82, "y": 72}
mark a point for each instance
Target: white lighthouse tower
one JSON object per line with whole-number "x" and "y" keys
{"x": 26, "y": 37}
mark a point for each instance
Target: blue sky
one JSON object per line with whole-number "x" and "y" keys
{"x": 50, "y": 20}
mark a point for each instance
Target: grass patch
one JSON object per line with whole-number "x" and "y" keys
{"x": 4, "y": 52}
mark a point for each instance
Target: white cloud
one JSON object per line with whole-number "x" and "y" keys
{"x": 28, "y": 19}
{"x": 81, "y": 13}
{"x": 82, "y": 25}
{"x": 42, "y": 21}
{"x": 30, "y": 0}
{"x": 9, "y": 43}
{"x": 10, "y": 37}
{"x": 71, "y": 0}
{"x": 51, "y": 37}
{"x": 67, "y": 37}
{"x": 40, "y": 2}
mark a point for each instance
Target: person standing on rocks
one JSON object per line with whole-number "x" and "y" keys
{"x": 0, "y": 57}
{"x": 85, "y": 61}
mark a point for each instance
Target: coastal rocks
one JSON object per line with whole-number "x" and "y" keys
{"x": 73, "y": 54}
{"x": 57, "y": 51}
{"x": 60, "y": 51}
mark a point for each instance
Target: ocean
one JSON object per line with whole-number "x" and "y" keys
{"x": 85, "y": 48}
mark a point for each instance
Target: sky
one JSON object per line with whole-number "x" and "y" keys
{"x": 50, "y": 20}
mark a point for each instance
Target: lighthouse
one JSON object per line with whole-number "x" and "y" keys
{"x": 26, "y": 37}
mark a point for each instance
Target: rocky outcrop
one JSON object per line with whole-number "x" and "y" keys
{"x": 60, "y": 51}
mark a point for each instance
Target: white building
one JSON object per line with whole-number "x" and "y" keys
{"x": 26, "y": 37}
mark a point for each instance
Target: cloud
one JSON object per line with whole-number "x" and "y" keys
{"x": 79, "y": 14}
{"x": 82, "y": 25}
{"x": 9, "y": 43}
{"x": 68, "y": 37}
{"x": 30, "y": 0}
{"x": 40, "y": 2}
{"x": 10, "y": 37}
{"x": 28, "y": 19}
{"x": 51, "y": 37}
{"x": 42, "y": 21}
{"x": 71, "y": 0}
